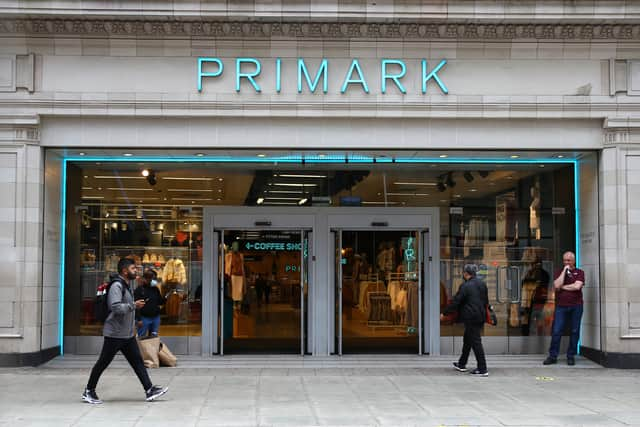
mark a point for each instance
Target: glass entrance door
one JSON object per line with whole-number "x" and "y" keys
{"x": 378, "y": 277}
{"x": 262, "y": 286}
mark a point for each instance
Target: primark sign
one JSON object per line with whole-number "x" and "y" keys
{"x": 248, "y": 74}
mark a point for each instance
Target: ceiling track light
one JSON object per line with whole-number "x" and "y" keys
{"x": 150, "y": 175}
{"x": 468, "y": 176}
{"x": 450, "y": 182}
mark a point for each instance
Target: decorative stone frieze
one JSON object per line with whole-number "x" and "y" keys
{"x": 235, "y": 29}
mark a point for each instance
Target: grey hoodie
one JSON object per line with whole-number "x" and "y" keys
{"x": 121, "y": 320}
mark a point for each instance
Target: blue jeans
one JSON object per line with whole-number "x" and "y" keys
{"x": 150, "y": 325}
{"x": 563, "y": 316}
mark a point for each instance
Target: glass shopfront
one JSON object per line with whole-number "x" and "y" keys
{"x": 514, "y": 216}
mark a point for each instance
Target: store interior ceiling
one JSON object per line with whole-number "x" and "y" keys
{"x": 170, "y": 183}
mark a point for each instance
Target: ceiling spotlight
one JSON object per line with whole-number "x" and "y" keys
{"x": 468, "y": 176}
{"x": 514, "y": 156}
{"x": 450, "y": 182}
{"x": 483, "y": 174}
{"x": 81, "y": 153}
{"x": 260, "y": 200}
{"x": 441, "y": 186}
{"x": 127, "y": 154}
{"x": 443, "y": 156}
{"x": 150, "y": 175}
{"x": 200, "y": 154}
{"x": 302, "y": 201}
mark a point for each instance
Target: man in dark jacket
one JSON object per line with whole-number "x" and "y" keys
{"x": 471, "y": 304}
{"x": 148, "y": 317}
{"x": 120, "y": 335}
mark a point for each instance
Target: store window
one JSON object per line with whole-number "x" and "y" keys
{"x": 512, "y": 219}
{"x": 117, "y": 213}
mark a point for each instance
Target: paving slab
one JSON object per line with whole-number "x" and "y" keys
{"x": 242, "y": 392}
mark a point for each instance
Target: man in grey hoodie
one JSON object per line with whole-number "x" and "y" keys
{"x": 120, "y": 335}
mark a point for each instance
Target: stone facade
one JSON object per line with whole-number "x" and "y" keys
{"x": 549, "y": 74}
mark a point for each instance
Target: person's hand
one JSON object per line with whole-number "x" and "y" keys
{"x": 139, "y": 323}
{"x": 139, "y": 303}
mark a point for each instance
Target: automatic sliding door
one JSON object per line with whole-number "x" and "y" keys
{"x": 378, "y": 277}
{"x": 262, "y": 293}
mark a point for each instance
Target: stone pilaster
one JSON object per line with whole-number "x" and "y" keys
{"x": 21, "y": 239}
{"x": 620, "y": 236}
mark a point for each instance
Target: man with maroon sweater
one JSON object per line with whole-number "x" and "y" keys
{"x": 568, "y": 283}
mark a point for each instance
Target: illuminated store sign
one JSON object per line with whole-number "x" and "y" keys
{"x": 271, "y": 246}
{"x": 392, "y": 71}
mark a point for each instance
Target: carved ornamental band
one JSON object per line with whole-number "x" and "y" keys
{"x": 215, "y": 29}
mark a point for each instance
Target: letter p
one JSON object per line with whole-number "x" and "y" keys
{"x": 201, "y": 74}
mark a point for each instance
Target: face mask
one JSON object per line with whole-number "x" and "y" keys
{"x": 153, "y": 282}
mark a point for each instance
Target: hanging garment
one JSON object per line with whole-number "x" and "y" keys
{"x": 237, "y": 287}
{"x": 412, "y": 305}
{"x": 234, "y": 264}
{"x": 180, "y": 272}
{"x": 175, "y": 272}
{"x": 173, "y": 304}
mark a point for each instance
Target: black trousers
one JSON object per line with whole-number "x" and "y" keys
{"x": 473, "y": 340}
{"x": 128, "y": 347}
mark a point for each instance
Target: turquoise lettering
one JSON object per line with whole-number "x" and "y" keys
{"x": 201, "y": 73}
{"x": 433, "y": 75}
{"x": 322, "y": 71}
{"x": 395, "y": 78}
{"x": 355, "y": 65}
{"x": 278, "y": 74}
{"x": 248, "y": 76}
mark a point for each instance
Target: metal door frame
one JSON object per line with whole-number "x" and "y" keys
{"x": 417, "y": 220}
{"x": 217, "y": 220}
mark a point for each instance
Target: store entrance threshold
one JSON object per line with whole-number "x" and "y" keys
{"x": 345, "y": 365}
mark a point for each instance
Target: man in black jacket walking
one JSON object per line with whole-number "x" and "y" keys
{"x": 471, "y": 304}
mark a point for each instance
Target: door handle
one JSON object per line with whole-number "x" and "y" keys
{"x": 518, "y": 298}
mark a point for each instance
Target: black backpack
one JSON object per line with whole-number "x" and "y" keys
{"x": 101, "y": 307}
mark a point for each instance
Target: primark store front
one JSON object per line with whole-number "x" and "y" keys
{"x": 315, "y": 188}
{"x": 333, "y": 251}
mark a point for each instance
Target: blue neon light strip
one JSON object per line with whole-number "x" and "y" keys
{"x": 299, "y": 159}
{"x": 63, "y": 237}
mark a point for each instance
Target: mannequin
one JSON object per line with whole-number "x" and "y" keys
{"x": 234, "y": 268}
{"x": 534, "y": 211}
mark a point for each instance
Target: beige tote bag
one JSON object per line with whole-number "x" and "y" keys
{"x": 149, "y": 348}
{"x": 166, "y": 357}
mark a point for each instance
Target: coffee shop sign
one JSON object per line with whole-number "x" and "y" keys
{"x": 392, "y": 71}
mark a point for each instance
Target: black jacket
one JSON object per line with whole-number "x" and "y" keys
{"x": 470, "y": 302}
{"x": 152, "y": 306}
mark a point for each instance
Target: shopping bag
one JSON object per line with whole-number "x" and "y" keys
{"x": 450, "y": 318}
{"x": 491, "y": 317}
{"x": 166, "y": 357}
{"x": 149, "y": 348}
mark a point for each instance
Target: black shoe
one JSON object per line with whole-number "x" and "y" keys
{"x": 478, "y": 373}
{"x": 155, "y": 392}
{"x": 459, "y": 368}
{"x": 90, "y": 396}
{"x": 571, "y": 361}
{"x": 550, "y": 361}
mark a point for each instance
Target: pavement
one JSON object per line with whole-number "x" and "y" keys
{"x": 335, "y": 391}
